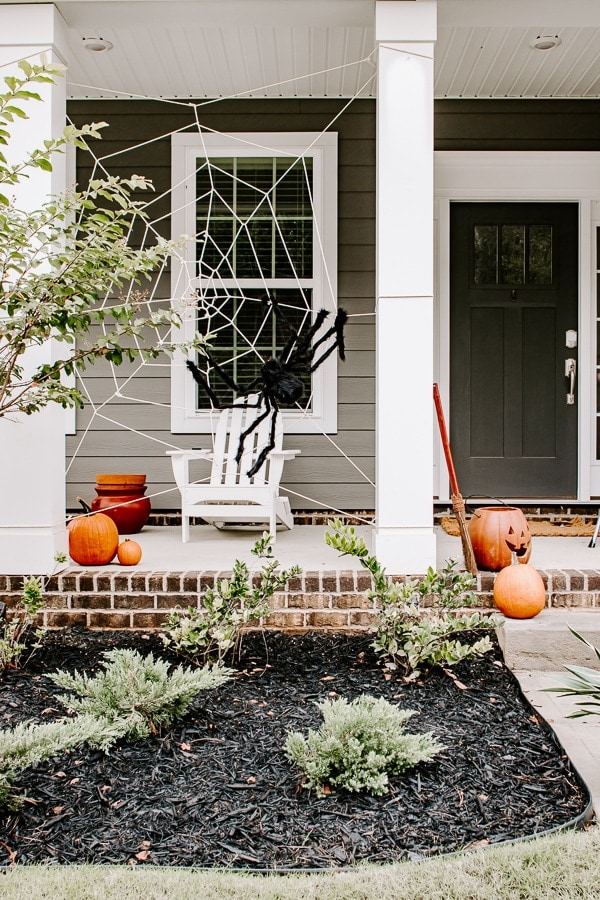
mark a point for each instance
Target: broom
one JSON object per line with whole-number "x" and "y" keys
{"x": 458, "y": 504}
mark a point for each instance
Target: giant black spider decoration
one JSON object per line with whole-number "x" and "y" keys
{"x": 279, "y": 380}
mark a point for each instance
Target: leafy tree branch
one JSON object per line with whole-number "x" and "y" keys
{"x": 69, "y": 270}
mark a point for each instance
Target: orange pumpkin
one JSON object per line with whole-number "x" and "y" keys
{"x": 129, "y": 553}
{"x": 495, "y": 531}
{"x": 519, "y": 591}
{"x": 93, "y": 538}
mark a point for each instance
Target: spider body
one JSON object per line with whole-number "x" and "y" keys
{"x": 280, "y": 383}
{"x": 280, "y": 377}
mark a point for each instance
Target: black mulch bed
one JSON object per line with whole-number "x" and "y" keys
{"x": 217, "y": 790}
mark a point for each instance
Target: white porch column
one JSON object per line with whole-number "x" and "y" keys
{"x": 404, "y": 538}
{"x": 32, "y": 448}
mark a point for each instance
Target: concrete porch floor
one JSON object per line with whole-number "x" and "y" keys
{"x": 304, "y": 545}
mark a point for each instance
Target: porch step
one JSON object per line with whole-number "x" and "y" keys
{"x": 545, "y": 643}
{"x": 334, "y": 599}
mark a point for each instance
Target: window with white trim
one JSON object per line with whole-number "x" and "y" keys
{"x": 259, "y": 212}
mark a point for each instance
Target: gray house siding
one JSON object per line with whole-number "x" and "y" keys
{"x": 517, "y": 125}
{"x": 321, "y": 473}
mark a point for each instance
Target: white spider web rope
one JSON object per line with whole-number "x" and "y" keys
{"x": 186, "y": 291}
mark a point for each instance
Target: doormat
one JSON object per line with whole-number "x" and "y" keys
{"x": 577, "y": 527}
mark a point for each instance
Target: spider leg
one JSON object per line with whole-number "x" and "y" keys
{"x": 268, "y": 447}
{"x": 277, "y": 310}
{"x": 338, "y": 329}
{"x": 252, "y": 427}
{"x": 223, "y": 374}
{"x": 302, "y": 341}
{"x": 200, "y": 379}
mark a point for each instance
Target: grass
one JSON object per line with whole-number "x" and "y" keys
{"x": 562, "y": 866}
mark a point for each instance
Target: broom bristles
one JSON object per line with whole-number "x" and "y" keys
{"x": 458, "y": 507}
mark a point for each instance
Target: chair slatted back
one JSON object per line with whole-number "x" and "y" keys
{"x": 231, "y": 425}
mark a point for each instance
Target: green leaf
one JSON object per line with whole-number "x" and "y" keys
{"x": 15, "y": 110}
{"x": 26, "y": 95}
{"x": 43, "y": 163}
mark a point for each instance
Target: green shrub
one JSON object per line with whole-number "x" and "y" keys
{"x": 358, "y": 745}
{"x": 408, "y": 638}
{"x": 138, "y": 693}
{"x": 582, "y": 682}
{"x": 132, "y": 698}
{"x": 214, "y": 631}
{"x": 28, "y": 743}
{"x": 19, "y": 636}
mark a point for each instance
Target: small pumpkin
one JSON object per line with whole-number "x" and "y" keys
{"x": 519, "y": 591}
{"x": 129, "y": 553}
{"x": 93, "y": 538}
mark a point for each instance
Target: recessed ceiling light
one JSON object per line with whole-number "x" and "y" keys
{"x": 96, "y": 44}
{"x": 546, "y": 42}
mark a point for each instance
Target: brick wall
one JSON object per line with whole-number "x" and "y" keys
{"x": 143, "y": 599}
{"x": 315, "y": 600}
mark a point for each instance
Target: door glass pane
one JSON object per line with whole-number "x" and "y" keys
{"x": 485, "y": 254}
{"x": 540, "y": 254}
{"x": 512, "y": 269}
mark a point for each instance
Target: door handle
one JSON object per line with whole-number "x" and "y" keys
{"x": 571, "y": 373}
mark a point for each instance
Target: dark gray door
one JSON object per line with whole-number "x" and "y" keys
{"x": 513, "y": 297}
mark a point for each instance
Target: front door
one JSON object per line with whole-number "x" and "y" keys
{"x": 513, "y": 321}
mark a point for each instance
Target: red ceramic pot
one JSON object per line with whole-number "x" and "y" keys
{"x": 121, "y": 497}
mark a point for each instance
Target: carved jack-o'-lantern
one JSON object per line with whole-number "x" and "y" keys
{"x": 520, "y": 543}
{"x": 497, "y": 532}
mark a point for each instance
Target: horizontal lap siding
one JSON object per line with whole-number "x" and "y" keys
{"x": 517, "y": 125}
{"x": 131, "y": 432}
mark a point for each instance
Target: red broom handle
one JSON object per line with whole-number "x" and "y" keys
{"x": 445, "y": 442}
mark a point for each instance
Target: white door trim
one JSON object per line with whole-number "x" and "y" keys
{"x": 525, "y": 176}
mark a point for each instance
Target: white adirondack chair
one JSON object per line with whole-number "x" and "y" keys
{"x": 230, "y": 497}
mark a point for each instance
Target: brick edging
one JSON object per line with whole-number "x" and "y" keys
{"x": 335, "y": 599}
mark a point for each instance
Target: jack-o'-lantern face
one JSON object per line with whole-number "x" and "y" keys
{"x": 518, "y": 542}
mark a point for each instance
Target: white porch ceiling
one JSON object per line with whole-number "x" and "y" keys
{"x": 323, "y": 48}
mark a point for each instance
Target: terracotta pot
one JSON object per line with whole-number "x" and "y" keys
{"x": 497, "y": 532}
{"x": 121, "y": 497}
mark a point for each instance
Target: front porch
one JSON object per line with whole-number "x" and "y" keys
{"x": 331, "y": 593}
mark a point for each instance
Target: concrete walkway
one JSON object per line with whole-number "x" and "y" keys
{"x": 535, "y": 650}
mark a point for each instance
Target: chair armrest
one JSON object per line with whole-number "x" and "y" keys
{"x": 284, "y": 454}
{"x": 180, "y": 461}
{"x": 190, "y": 454}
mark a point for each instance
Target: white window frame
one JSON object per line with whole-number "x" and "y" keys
{"x": 322, "y": 148}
